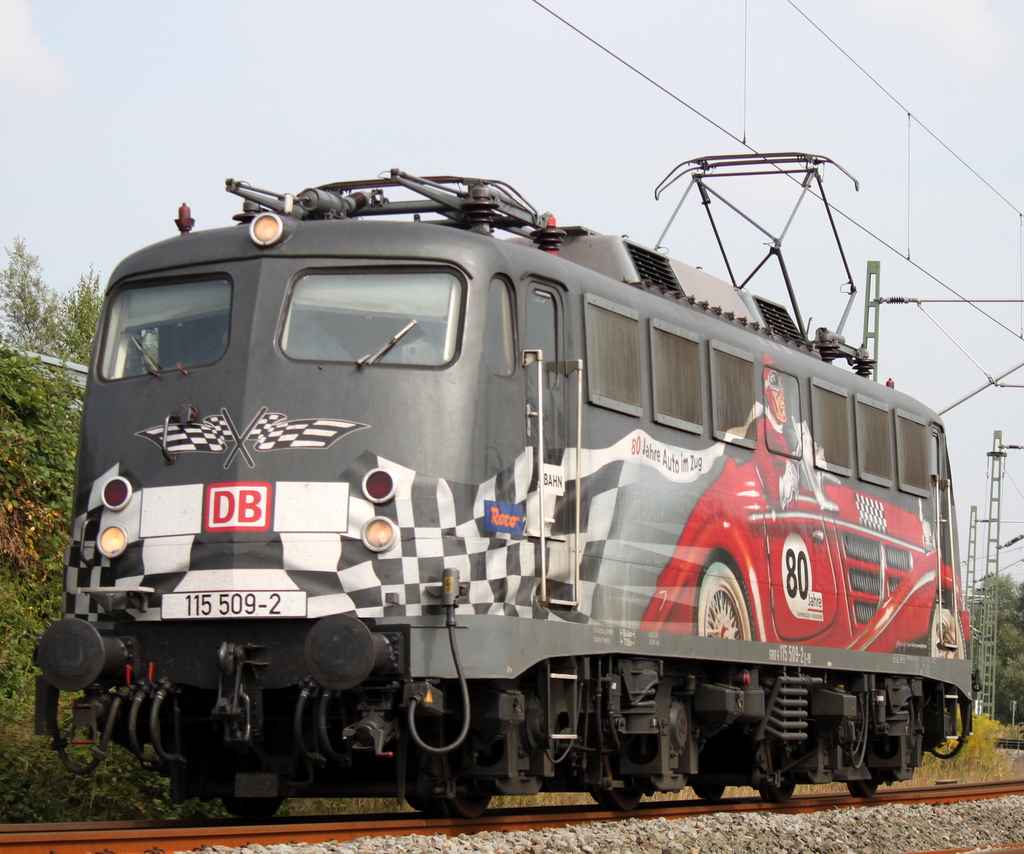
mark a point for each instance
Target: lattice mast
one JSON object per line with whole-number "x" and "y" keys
{"x": 987, "y": 627}
{"x": 872, "y": 301}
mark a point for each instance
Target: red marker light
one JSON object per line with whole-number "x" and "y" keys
{"x": 117, "y": 492}
{"x": 379, "y": 486}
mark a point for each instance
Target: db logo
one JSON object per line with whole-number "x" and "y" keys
{"x": 238, "y": 507}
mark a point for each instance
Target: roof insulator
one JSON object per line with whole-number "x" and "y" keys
{"x": 480, "y": 209}
{"x": 249, "y": 211}
{"x": 549, "y": 238}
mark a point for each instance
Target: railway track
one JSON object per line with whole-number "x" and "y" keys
{"x": 168, "y": 836}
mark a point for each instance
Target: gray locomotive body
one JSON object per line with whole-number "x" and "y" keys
{"x": 398, "y": 508}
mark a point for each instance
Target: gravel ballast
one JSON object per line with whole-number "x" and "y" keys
{"x": 881, "y": 829}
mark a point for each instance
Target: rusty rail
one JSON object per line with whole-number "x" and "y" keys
{"x": 169, "y": 836}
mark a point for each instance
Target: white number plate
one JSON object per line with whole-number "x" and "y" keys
{"x": 238, "y": 603}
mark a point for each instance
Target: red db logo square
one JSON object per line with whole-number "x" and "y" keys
{"x": 238, "y": 507}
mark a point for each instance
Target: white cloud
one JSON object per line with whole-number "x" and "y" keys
{"x": 966, "y": 30}
{"x": 26, "y": 66}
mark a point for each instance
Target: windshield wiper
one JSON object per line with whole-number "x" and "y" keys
{"x": 370, "y": 358}
{"x": 151, "y": 365}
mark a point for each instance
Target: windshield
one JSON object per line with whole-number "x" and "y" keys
{"x": 152, "y": 328}
{"x": 344, "y": 317}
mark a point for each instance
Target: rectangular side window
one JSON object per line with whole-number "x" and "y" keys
{"x": 613, "y": 356}
{"x": 874, "y": 441}
{"x": 676, "y": 375}
{"x": 831, "y": 427}
{"x": 912, "y": 454}
{"x": 732, "y": 395}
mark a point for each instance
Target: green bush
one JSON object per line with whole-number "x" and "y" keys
{"x": 39, "y": 416}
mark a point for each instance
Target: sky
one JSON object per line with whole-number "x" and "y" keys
{"x": 112, "y": 114}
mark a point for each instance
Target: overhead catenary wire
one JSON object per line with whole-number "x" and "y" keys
{"x": 742, "y": 141}
{"x": 906, "y": 110}
{"x": 650, "y": 80}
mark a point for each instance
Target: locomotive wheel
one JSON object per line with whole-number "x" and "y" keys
{"x": 862, "y": 788}
{"x": 721, "y": 604}
{"x": 467, "y": 806}
{"x": 777, "y": 794}
{"x": 616, "y": 800}
{"x": 254, "y": 809}
{"x": 461, "y": 806}
{"x": 711, "y": 792}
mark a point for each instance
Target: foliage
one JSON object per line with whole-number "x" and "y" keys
{"x": 37, "y": 318}
{"x": 77, "y": 314}
{"x": 1009, "y": 648}
{"x": 979, "y": 759}
{"x": 29, "y": 304}
{"x": 39, "y": 412}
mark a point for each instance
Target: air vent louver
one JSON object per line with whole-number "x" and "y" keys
{"x": 778, "y": 320}
{"x": 653, "y": 267}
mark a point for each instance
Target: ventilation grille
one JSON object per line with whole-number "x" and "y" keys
{"x": 778, "y": 320}
{"x": 613, "y": 350}
{"x": 676, "y": 362}
{"x": 653, "y": 268}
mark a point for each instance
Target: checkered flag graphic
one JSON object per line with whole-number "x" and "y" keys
{"x": 205, "y": 438}
{"x": 274, "y": 432}
{"x": 219, "y": 424}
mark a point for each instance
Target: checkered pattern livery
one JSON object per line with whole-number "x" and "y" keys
{"x": 871, "y": 512}
{"x": 627, "y": 542}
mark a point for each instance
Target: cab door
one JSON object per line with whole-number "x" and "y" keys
{"x": 545, "y": 405}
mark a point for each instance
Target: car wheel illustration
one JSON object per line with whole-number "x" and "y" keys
{"x": 722, "y": 609}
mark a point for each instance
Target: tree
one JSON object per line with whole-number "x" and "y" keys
{"x": 1010, "y": 649}
{"x": 29, "y": 303}
{"x": 35, "y": 317}
{"x": 77, "y": 315}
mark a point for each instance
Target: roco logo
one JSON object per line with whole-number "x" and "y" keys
{"x": 238, "y": 507}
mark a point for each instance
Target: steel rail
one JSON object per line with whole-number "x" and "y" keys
{"x": 169, "y": 836}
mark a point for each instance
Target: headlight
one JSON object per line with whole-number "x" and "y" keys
{"x": 266, "y": 229}
{"x": 112, "y": 541}
{"x": 379, "y": 534}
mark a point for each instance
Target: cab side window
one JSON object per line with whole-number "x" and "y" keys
{"x": 499, "y": 335}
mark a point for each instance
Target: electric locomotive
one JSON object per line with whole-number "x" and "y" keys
{"x": 370, "y": 501}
